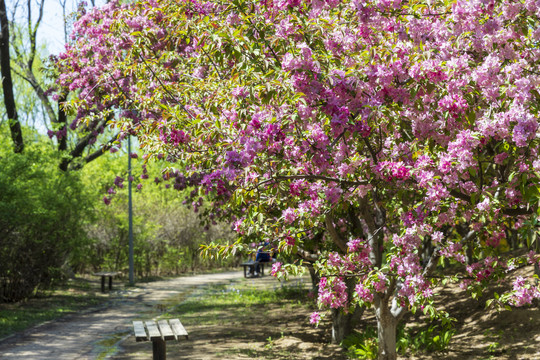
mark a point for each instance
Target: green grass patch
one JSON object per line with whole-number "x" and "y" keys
{"x": 47, "y": 306}
{"x": 236, "y": 304}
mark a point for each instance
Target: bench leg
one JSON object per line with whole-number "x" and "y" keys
{"x": 158, "y": 350}
{"x": 245, "y": 274}
{"x": 110, "y": 282}
{"x": 103, "y": 284}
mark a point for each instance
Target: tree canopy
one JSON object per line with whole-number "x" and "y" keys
{"x": 405, "y": 132}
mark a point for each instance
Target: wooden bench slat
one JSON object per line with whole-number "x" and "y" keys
{"x": 166, "y": 330}
{"x": 178, "y": 328}
{"x": 140, "y": 333}
{"x": 153, "y": 331}
{"x": 107, "y": 273}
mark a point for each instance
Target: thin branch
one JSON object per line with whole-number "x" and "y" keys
{"x": 371, "y": 151}
{"x": 505, "y": 211}
{"x": 165, "y": 88}
{"x": 329, "y": 221}
{"x": 312, "y": 177}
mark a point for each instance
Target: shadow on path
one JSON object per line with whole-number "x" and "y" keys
{"x": 98, "y": 333}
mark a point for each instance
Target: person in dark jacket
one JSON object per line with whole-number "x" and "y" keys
{"x": 262, "y": 256}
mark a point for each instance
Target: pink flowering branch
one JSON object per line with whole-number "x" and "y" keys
{"x": 505, "y": 211}
{"x": 312, "y": 177}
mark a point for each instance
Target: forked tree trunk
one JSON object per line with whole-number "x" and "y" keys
{"x": 7, "y": 82}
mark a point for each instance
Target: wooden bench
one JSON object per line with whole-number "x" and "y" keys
{"x": 159, "y": 333}
{"x": 254, "y": 265}
{"x": 105, "y": 274}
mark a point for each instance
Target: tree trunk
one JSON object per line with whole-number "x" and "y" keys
{"x": 7, "y": 83}
{"x": 344, "y": 323}
{"x": 536, "y": 265}
{"x": 386, "y": 330}
{"x": 315, "y": 278}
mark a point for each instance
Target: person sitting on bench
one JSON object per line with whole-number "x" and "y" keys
{"x": 262, "y": 256}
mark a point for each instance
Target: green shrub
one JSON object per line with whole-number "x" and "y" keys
{"x": 433, "y": 338}
{"x": 41, "y": 215}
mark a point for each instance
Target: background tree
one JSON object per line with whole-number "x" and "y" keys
{"x": 23, "y": 58}
{"x": 167, "y": 234}
{"x": 34, "y": 199}
{"x": 7, "y": 82}
{"x": 406, "y": 132}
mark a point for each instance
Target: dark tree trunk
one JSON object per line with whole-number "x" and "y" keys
{"x": 7, "y": 82}
{"x": 343, "y": 323}
{"x": 315, "y": 278}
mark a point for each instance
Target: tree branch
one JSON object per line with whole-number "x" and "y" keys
{"x": 505, "y": 211}
{"x": 313, "y": 177}
{"x": 329, "y": 221}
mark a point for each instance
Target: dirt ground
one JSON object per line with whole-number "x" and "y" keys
{"x": 485, "y": 334}
{"x": 106, "y": 332}
{"x": 280, "y": 333}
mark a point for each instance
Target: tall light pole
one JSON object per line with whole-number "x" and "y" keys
{"x": 130, "y": 211}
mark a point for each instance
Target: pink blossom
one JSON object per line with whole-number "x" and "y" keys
{"x": 355, "y": 245}
{"x": 276, "y": 268}
{"x": 499, "y": 158}
{"x": 315, "y": 318}
{"x": 332, "y": 293}
{"x": 533, "y": 258}
{"x": 523, "y": 293}
{"x": 380, "y": 284}
{"x": 364, "y": 293}
{"x": 239, "y": 92}
{"x": 485, "y": 205}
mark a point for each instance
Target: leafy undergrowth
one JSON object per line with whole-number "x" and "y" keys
{"x": 76, "y": 295}
{"x": 476, "y": 333}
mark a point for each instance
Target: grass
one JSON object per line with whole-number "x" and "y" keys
{"x": 250, "y": 321}
{"x": 236, "y": 304}
{"x": 75, "y": 296}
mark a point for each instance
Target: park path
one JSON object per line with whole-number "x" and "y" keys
{"x": 99, "y": 333}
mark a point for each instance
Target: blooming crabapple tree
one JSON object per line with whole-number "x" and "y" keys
{"x": 406, "y": 132}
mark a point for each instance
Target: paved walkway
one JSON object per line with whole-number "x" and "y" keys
{"x": 98, "y": 333}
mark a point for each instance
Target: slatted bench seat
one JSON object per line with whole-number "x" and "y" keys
{"x": 253, "y": 264}
{"x": 159, "y": 333}
{"x": 105, "y": 274}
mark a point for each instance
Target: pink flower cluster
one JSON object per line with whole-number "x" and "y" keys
{"x": 523, "y": 293}
{"x": 332, "y": 293}
{"x": 276, "y": 269}
{"x": 389, "y": 170}
{"x": 364, "y": 293}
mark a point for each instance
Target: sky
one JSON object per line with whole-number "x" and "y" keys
{"x": 52, "y": 27}
{"x": 51, "y": 30}
{"x": 50, "y": 33}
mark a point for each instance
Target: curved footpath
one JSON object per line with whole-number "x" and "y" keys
{"x": 98, "y": 333}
